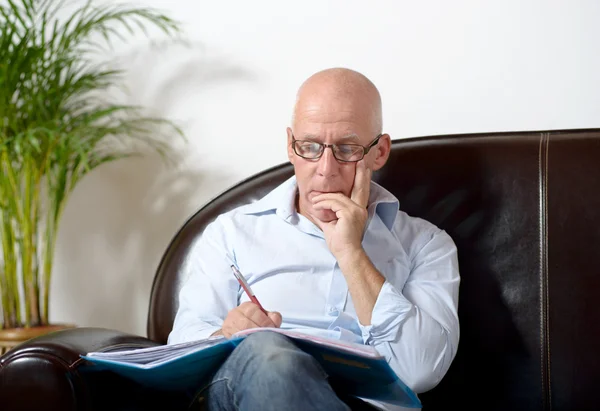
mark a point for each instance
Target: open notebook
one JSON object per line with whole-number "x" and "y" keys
{"x": 185, "y": 366}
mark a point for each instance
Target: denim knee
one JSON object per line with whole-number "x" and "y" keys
{"x": 261, "y": 341}
{"x": 276, "y": 354}
{"x": 267, "y": 371}
{"x": 265, "y": 345}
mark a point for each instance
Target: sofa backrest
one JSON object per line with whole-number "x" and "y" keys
{"x": 524, "y": 211}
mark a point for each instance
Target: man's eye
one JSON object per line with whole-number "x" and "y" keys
{"x": 346, "y": 149}
{"x": 308, "y": 147}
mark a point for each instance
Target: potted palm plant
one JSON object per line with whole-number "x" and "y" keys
{"x": 57, "y": 124}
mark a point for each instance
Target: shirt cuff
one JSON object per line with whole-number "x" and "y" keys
{"x": 390, "y": 310}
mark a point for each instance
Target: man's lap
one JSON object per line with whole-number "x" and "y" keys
{"x": 280, "y": 366}
{"x": 128, "y": 396}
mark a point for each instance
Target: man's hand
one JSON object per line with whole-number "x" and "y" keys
{"x": 344, "y": 239}
{"x": 345, "y": 234}
{"x": 248, "y": 315}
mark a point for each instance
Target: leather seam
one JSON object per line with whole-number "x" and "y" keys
{"x": 543, "y": 228}
{"x": 541, "y": 248}
{"x": 546, "y": 266}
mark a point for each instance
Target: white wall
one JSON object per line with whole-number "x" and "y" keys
{"x": 442, "y": 67}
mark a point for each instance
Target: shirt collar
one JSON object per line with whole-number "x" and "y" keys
{"x": 282, "y": 201}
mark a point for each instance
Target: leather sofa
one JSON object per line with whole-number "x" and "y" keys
{"x": 524, "y": 212}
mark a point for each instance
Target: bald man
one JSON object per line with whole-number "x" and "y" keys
{"x": 326, "y": 251}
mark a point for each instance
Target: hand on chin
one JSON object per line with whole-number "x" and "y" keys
{"x": 324, "y": 216}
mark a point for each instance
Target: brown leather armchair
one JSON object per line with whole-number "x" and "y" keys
{"x": 524, "y": 211}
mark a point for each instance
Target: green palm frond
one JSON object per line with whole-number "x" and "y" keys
{"x": 54, "y": 128}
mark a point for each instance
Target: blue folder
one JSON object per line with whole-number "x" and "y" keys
{"x": 361, "y": 376}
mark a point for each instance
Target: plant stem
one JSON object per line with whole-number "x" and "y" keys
{"x": 26, "y": 246}
{"x": 28, "y": 253}
{"x": 33, "y": 197}
{"x": 12, "y": 305}
{"x": 47, "y": 265}
{"x": 7, "y": 285}
{"x": 50, "y": 241}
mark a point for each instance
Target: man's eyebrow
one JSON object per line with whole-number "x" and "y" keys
{"x": 350, "y": 137}
{"x": 346, "y": 138}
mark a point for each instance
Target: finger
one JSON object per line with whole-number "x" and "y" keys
{"x": 333, "y": 196}
{"x": 244, "y": 312}
{"x": 258, "y": 317}
{"x": 276, "y": 318}
{"x": 245, "y": 306}
{"x": 242, "y": 322}
{"x": 362, "y": 184}
{"x": 333, "y": 205}
{"x": 235, "y": 322}
{"x": 262, "y": 319}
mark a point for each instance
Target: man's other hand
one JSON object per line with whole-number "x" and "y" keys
{"x": 344, "y": 235}
{"x": 249, "y": 315}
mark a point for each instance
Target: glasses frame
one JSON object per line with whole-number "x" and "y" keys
{"x": 366, "y": 148}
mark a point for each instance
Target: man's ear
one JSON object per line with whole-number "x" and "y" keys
{"x": 382, "y": 151}
{"x": 290, "y": 150}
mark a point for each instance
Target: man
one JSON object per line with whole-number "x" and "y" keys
{"x": 328, "y": 249}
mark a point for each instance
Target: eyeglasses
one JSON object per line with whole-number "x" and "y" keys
{"x": 347, "y": 153}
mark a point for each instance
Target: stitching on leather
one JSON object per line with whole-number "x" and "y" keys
{"x": 546, "y": 267}
{"x": 541, "y": 267}
{"x": 543, "y": 227}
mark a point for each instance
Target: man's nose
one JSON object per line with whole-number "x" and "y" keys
{"x": 328, "y": 165}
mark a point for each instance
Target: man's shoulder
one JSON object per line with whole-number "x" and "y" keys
{"x": 404, "y": 220}
{"x": 415, "y": 232}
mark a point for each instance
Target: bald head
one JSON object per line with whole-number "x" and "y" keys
{"x": 338, "y": 109}
{"x": 343, "y": 90}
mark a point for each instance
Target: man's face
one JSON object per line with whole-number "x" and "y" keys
{"x": 330, "y": 123}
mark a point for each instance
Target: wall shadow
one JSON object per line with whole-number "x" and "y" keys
{"x": 120, "y": 219}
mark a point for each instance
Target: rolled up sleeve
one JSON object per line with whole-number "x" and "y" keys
{"x": 389, "y": 312}
{"x": 417, "y": 328}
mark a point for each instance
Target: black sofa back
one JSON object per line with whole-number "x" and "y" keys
{"x": 524, "y": 211}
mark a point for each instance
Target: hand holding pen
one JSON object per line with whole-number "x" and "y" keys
{"x": 250, "y": 314}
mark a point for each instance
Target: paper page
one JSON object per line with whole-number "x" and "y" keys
{"x": 158, "y": 353}
{"x": 325, "y": 337}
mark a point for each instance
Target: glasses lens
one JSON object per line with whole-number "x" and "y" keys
{"x": 349, "y": 152}
{"x": 308, "y": 149}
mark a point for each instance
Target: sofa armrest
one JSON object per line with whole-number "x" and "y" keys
{"x": 44, "y": 372}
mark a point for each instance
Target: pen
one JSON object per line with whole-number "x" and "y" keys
{"x": 247, "y": 288}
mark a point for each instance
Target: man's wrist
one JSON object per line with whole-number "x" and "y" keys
{"x": 218, "y": 332}
{"x": 364, "y": 282}
{"x": 352, "y": 257}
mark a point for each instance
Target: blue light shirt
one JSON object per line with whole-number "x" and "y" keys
{"x": 286, "y": 261}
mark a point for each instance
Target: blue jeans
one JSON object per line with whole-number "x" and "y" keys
{"x": 266, "y": 372}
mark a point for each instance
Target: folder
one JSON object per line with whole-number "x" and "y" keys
{"x": 360, "y": 369}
